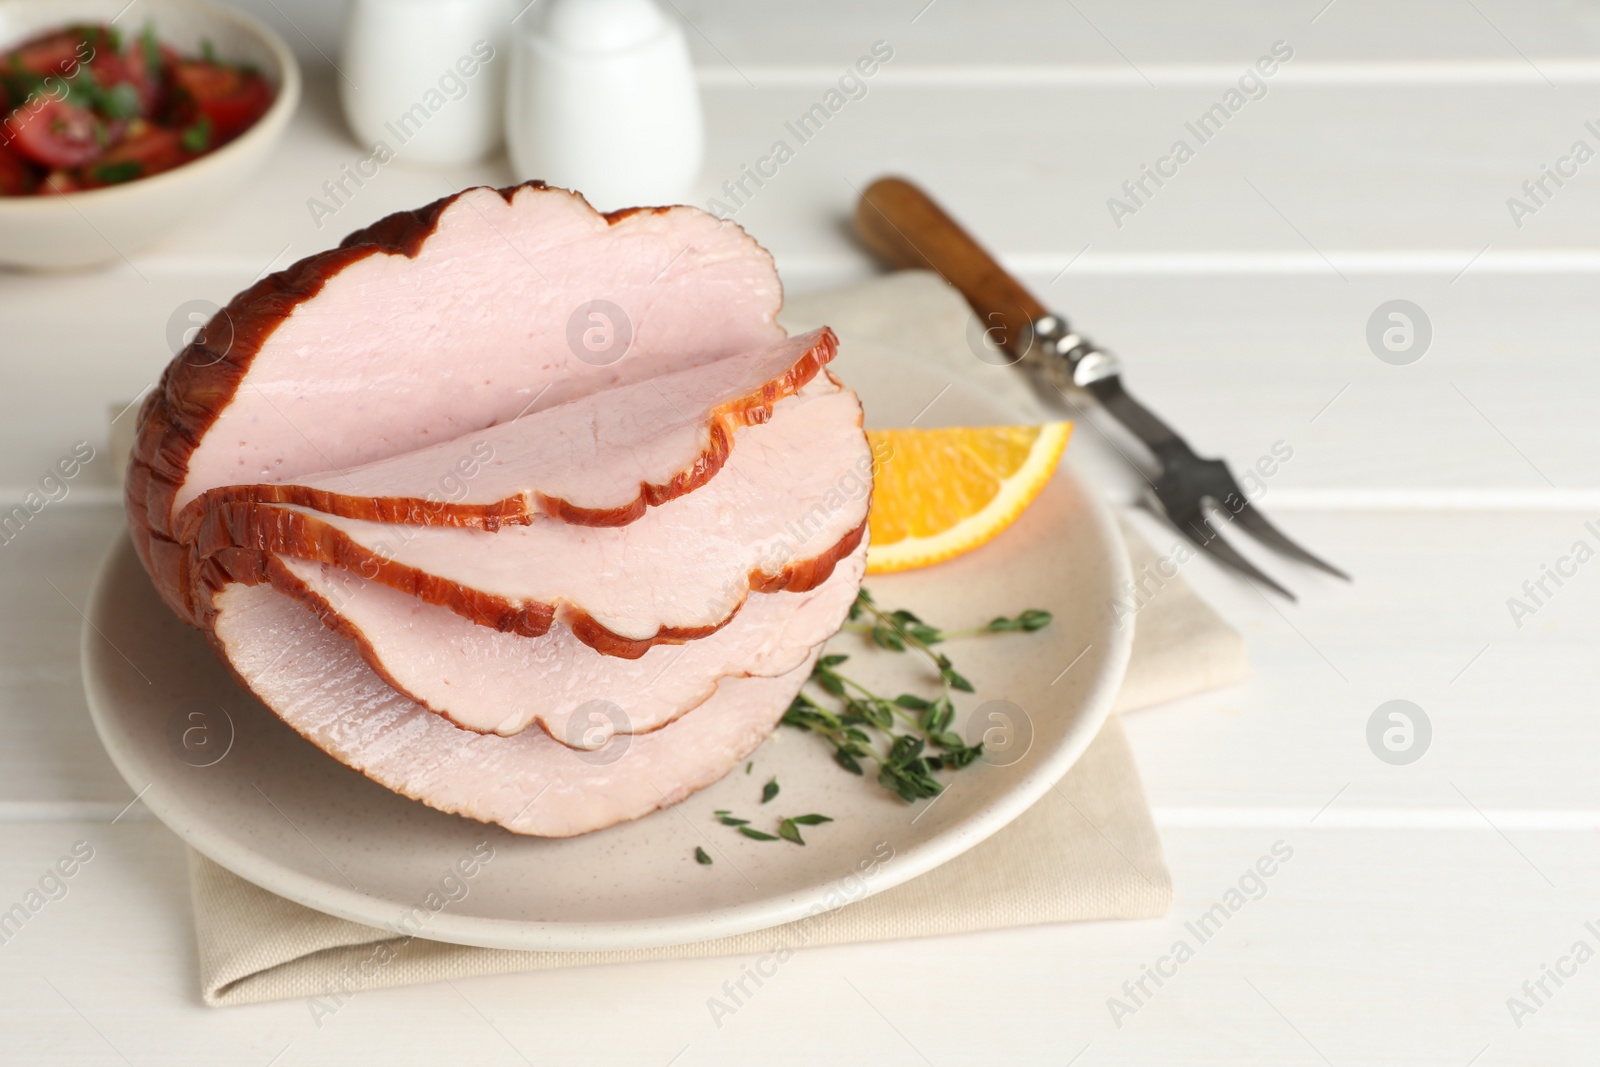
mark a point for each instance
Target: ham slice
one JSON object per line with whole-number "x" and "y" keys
{"x": 493, "y": 682}
{"x": 318, "y": 683}
{"x": 790, "y": 502}
{"x": 599, "y": 460}
{"x": 432, "y": 324}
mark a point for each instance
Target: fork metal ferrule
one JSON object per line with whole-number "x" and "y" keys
{"x": 1064, "y": 349}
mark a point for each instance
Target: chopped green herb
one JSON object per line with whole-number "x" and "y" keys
{"x": 700, "y": 856}
{"x": 769, "y": 790}
{"x": 756, "y": 835}
{"x": 789, "y": 829}
{"x": 121, "y": 101}
{"x": 810, "y": 820}
{"x": 748, "y": 767}
{"x": 83, "y": 90}
{"x": 208, "y": 51}
{"x": 118, "y": 172}
{"x": 197, "y": 138}
{"x": 20, "y": 84}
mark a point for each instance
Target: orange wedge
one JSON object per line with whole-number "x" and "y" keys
{"x": 939, "y": 493}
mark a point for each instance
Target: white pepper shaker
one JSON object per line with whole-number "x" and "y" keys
{"x": 425, "y": 79}
{"x": 603, "y": 100}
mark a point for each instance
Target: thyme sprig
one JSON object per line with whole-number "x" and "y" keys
{"x": 908, "y": 737}
{"x": 899, "y": 630}
{"x": 927, "y": 744}
{"x": 895, "y": 630}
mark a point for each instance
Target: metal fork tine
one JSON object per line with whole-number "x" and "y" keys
{"x": 1225, "y": 553}
{"x": 1186, "y": 481}
{"x": 1256, "y": 523}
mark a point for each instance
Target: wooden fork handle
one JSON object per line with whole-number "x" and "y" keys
{"x": 905, "y": 227}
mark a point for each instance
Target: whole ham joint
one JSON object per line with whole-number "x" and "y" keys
{"x": 530, "y": 513}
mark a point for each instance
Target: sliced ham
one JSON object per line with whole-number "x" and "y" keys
{"x": 432, "y": 324}
{"x": 492, "y": 682}
{"x": 790, "y": 502}
{"x": 318, "y": 683}
{"x": 599, "y": 460}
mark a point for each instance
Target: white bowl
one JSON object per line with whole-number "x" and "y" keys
{"x": 104, "y": 225}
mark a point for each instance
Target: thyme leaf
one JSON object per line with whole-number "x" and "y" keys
{"x": 756, "y": 835}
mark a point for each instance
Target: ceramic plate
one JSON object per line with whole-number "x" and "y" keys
{"x": 245, "y": 790}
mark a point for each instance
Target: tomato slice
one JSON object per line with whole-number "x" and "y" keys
{"x": 150, "y": 150}
{"x": 55, "y": 133}
{"x": 231, "y": 98}
{"x": 16, "y": 177}
{"x": 55, "y": 53}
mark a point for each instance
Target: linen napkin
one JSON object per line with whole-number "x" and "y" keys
{"x": 1087, "y": 850}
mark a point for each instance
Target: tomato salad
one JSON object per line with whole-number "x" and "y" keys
{"x": 83, "y": 112}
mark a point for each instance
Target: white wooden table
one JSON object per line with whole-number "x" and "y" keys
{"x": 1377, "y": 166}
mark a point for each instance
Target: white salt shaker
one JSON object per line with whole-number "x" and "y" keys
{"x": 425, "y": 79}
{"x": 603, "y": 100}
